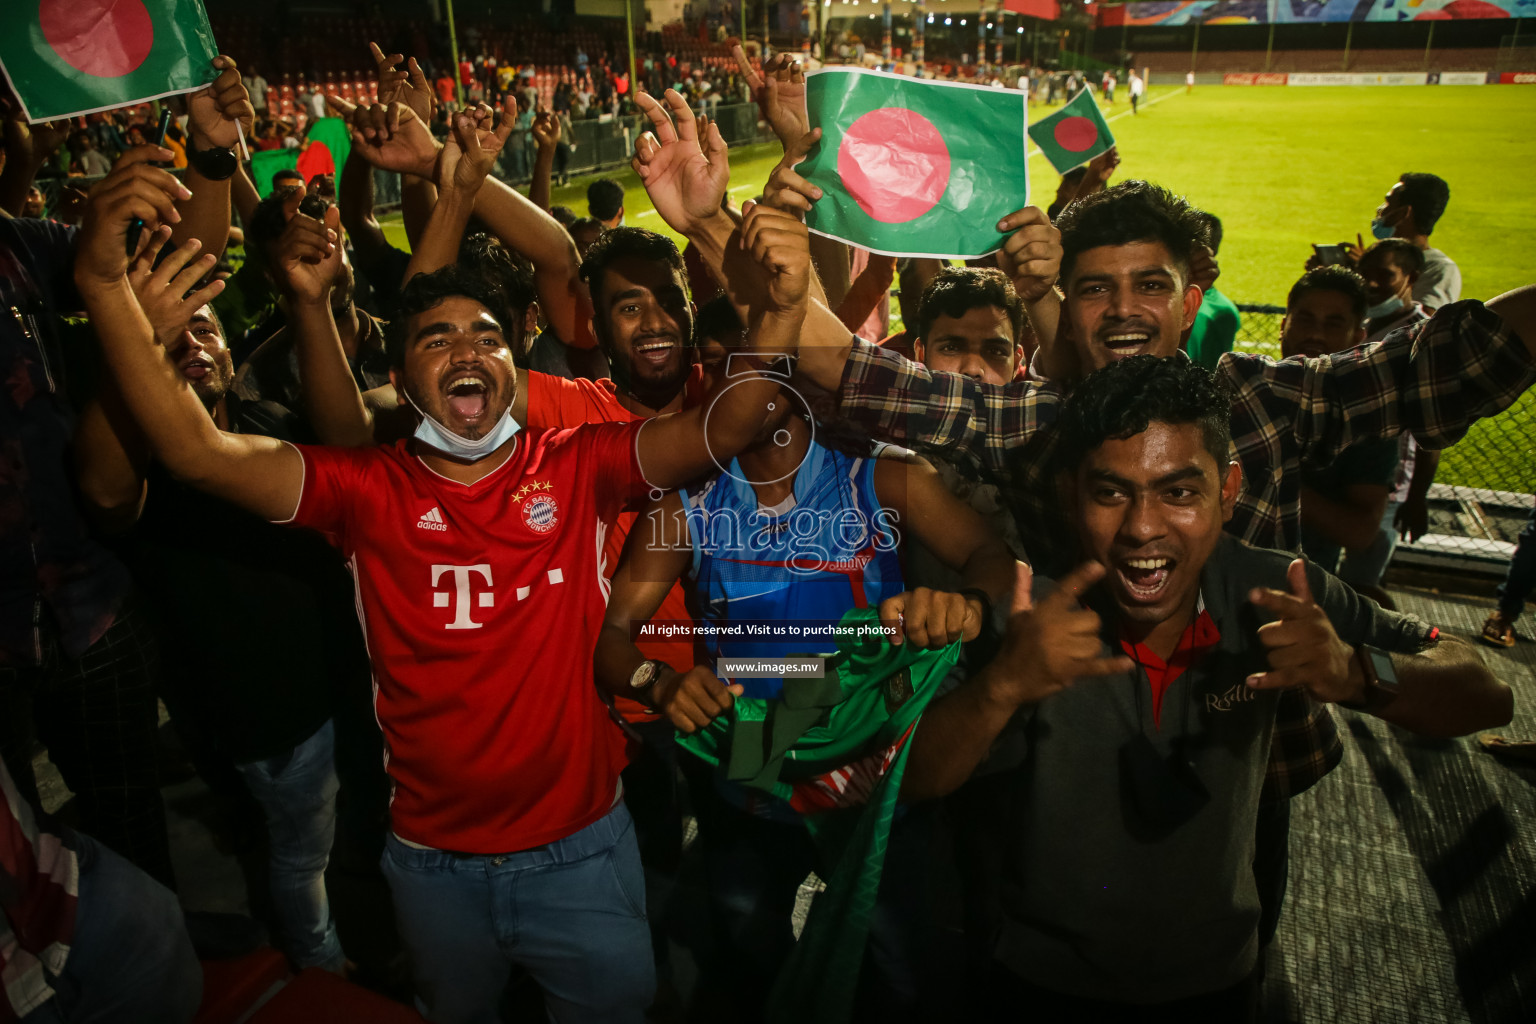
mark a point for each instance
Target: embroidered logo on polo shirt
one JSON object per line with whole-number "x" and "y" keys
{"x": 433, "y": 520}
{"x": 541, "y": 513}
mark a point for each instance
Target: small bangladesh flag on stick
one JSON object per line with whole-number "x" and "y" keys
{"x": 69, "y": 57}
{"x": 914, "y": 168}
{"x": 1074, "y": 134}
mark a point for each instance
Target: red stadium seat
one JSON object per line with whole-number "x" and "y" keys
{"x": 320, "y": 997}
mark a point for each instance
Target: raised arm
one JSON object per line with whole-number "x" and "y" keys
{"x": 1443, "y": 691}
{"x": 927, "y": 512}
{"x": 469, "y": 153}
{"x": 258, "y": 473}
{"x": 214, "y": 117}
{"x": 546, "y": 133}
{"x": 679, "y": 447}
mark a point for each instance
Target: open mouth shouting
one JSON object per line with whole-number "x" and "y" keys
{"x": 197, "y": 369}
{"x": 1123, "y": 342}
{"x": 468, "y": 396}
{"x": 1145, "y": 580}
{"x": 656, "y": 352}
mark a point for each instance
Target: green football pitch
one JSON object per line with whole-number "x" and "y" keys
{"x": 1286, "y": 167}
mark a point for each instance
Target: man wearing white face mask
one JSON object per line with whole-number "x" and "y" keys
{"x": 1391, "y": 269}
{"x": 1410, "y": 211}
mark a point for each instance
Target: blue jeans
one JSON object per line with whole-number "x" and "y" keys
{"x": 1520, "y": 580}
{"x": 297, "y": 792}
{"x": 131, "y": 960}
{"x": 1365, "y": 568}
{"x": 572, "y": 914}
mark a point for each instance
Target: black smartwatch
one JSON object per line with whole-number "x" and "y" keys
{"x": 1381, "y": 686}
{"x": 215, "y": 164}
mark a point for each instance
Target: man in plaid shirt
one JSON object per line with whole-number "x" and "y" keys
{"x": 1122, "y": 262}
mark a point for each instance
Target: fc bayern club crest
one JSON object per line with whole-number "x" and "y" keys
{"x": 541, "y": 513}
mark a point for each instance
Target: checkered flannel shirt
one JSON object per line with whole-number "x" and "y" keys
{"x": 1433, "y": 379}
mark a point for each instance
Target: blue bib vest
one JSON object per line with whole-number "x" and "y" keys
{"x": 833, "y": 550}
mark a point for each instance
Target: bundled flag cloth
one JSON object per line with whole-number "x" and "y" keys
{"x": 1074, "y": 134}
{"x": 909, "y": 167}
{"x": 835, "y": 749}
{"x": 69, "y": 57}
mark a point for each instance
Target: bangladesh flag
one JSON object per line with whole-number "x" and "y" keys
{"x": 1074, "y": 134}
{"x": 68, "y": 57}
{"x": 914, "y": 168}
{"x": 327, "y": 144}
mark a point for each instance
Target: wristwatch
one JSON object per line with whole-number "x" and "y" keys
{"x": 1381, "y": 685}
{"x": 642, "y": 679}
{"x": 215, "y": 164}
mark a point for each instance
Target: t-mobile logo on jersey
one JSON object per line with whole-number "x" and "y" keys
{"x": 461, "y": 593}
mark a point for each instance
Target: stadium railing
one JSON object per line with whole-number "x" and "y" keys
{"x": 610, "y": 142}
{"x": 1482, "y": 495}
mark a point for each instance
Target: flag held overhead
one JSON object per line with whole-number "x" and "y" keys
{"x": 1074, "y": 134}
{"x": 911, "y": 167}
{"x": 69, "y": 57}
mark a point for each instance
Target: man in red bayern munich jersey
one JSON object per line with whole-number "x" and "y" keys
{"x": 476, "y": 554}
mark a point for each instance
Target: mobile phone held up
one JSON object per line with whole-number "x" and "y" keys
{"x": 1331, "y": 255}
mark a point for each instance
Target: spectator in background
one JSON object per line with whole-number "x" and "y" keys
{"x": 1411, "y": 209}
{"x": 1109, "y": 87}
{"x": 1341, "y": 503}
{"x": 34, "y": 204}
{"x": 1137, "y": 88}
{"x": 257, "y": 87}
{"x": 93, "y": 162}
{"x": 1519, "y": 581}
{"x": 1390, "y": 268}
{"x": 605, "y": 202}
{"x": 1218, "y": 321}
{"x": 585, "y": 232}
{"x": 445, "y": 91}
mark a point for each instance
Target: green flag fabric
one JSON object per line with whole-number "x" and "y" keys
{"x": 326, "y": 153}
{"x": 835, "y": 749}
{"x": 910, "y": 167}
{"x": 1074, "y": 134}
{"x": 68, "y": 57}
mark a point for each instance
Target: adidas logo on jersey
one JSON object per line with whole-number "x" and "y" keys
{"x": 433, "y": 520}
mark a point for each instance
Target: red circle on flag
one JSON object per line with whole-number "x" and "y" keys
{"x": 1076, "y": 134}
{"x": 894, "y": 163}
{"x": 103, "y": 38}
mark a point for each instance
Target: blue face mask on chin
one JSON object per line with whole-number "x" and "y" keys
{"x": 1386, "y": 308}
{"x": 433, "y": 434}
{"x": 1381, "y": 230}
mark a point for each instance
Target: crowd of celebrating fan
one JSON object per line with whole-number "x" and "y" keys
{"x": 336, "y": 504}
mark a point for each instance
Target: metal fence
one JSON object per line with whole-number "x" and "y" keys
{"x": 1482, "y": 495}
{"x": 601, "y": 143}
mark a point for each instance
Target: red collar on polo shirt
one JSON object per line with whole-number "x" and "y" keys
{"x": 1199, "y": 637}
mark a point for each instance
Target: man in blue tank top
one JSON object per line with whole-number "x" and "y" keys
{"x": 794, "y": 532}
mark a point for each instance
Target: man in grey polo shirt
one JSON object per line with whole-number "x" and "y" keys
{"x": 1133, "y": 706}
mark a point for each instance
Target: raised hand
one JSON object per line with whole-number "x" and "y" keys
{"x": 781, "y": 246}
{"x": 693, "y": 699}
{"x": 1203, "y": 270}
{"x": 470, "y": 151}
{"x": 931, "y": 618}
{"x": 1050, "y": 646}
{"x": 1102, "y": 167}
{"x": 32, "y": 144}
{"x": 133, "y": 189}
{"x": 546, "y": 131}
{"x": 1031, "y": 255}
{"x": 786, "y": 189}
{"x": 308, "y": 260}
{"x": 390, "y": 136}
{"x": 686, "y": 184}
{"x": 409, "y": 87}
{"x": 779, "y": 92}
{"x": 169, "y": 294}
{"x": 216, "y": 112}
{"x": 1303, "y": 648}
{"x": 1412, "y": 519}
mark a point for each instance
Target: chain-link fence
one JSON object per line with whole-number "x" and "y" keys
{"x": 1481, "y": 497}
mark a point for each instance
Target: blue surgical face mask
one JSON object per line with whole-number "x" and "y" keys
{"x": 1385, "y": 308}
{"x": 1381, "y": 230}
{"x": 434, "y": 434}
